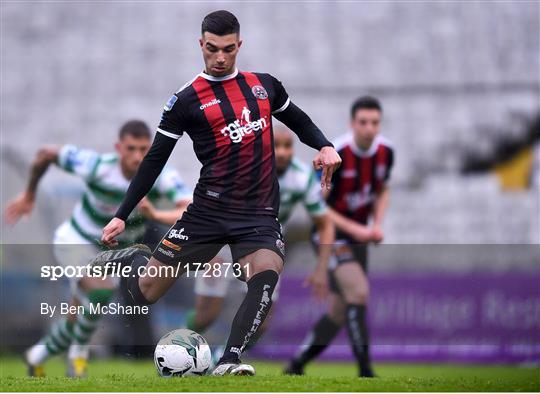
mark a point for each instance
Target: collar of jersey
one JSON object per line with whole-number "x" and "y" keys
{"x": 217, "y": 79}
{"x": 367, "y": 152}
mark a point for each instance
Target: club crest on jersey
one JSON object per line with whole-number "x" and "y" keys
{"x": 170, "y": 103}
{"x": 259, "y": 92}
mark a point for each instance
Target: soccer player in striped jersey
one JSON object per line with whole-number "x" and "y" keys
{"x": 77, "y": 240}
{"x": 359, "y": 193}
{"x": 228, "y": 115}
{"x": 298, "y": 183}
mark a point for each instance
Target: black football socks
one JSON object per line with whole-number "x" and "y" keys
{"x": 250, "y": 315}
{"x": 318, "y": 339}
{"x": 358, "y": 336}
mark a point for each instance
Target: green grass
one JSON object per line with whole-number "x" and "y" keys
{"x": 122, "y": 375}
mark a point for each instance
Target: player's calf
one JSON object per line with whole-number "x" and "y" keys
{"x": 318, "y": 339}
{"x": 250, "y": 315}
{"x": 154, "y": 280}
{"x": 357, "y": 296}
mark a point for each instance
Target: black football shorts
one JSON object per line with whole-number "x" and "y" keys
{"x": 200, "y": 233}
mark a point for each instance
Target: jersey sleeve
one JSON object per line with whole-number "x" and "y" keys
{"x": 78, "y": 161}
{"x": 171, "y": 185}
{"x": 281, "y": 99}
{"x": 313, "y": 198}
{"x": 390, "y": 165}
{"x": 173, "y": 121}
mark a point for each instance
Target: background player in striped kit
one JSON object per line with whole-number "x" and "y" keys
{"x": 76, "y": 241}
{"x": 298, "y": 183}
{"x": 359, "y": 193}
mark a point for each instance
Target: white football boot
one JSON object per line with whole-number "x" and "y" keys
{"x": 233, "y": 369}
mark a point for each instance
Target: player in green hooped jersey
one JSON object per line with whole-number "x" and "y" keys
{"x": 298, "y": 183}
{"x": 77, "y": 240}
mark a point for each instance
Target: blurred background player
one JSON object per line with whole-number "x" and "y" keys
{"x": 76, "y": 241}
{"x": 297, "y": 183}
{"x": 359, "y": 193}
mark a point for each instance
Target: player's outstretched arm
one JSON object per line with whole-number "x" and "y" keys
{"x": 23, "y": 204}
{"x": 149, "y": 170}
{"x": 301, "y": 124}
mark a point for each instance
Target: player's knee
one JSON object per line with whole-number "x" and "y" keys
{"x": 269, "y": 264}
{"x": 357, "y": 295}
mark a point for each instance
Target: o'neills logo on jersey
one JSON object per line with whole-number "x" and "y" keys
{"x": 240, "y": 127}
{"x": 210, "y": 103}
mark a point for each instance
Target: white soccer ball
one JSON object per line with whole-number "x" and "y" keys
{"x": 182, "y": 353}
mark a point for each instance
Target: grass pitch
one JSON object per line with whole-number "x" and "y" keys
{"x": 122, "y": 375}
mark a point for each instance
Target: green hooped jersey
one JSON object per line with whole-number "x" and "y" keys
{"x": 106, "y": 187}
{"x": 300, "y": 183}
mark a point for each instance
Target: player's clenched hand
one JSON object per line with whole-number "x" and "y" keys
{"x": 21, "y": 206}
{"x": 318, "y": 280}
{"x": 327, "y": 159}
{"x": 112, "y": 230}
{"x": 377, "y": 234}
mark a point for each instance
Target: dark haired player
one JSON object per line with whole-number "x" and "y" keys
{"x": 228, "y": 116}
{"x": 76, "y": 241}
{"x": 359, "y": 192}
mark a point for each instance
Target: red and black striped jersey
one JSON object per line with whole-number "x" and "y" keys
{"x": 362, "y": 175}
{"x": 229, "y": 120}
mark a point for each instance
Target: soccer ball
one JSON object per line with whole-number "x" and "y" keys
{"x": 182, "y": 353}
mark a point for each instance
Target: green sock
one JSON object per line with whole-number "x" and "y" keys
{"x": 87, "y": 323}
{"x": 190, "y": 320}
{"x": 60, "y": 337}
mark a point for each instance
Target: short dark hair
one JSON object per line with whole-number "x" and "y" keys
{"x": 135, "y": 128}
{"x": 221, "y": 23}
{"x": 365, "y": 102}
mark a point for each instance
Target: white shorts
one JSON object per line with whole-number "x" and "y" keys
{"x": 72, "y": 249}
{"x": 217, "y": 286}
